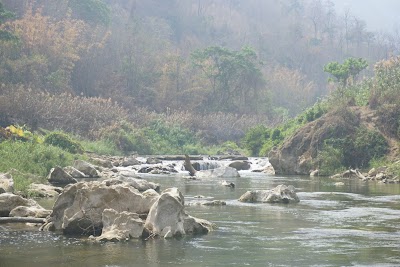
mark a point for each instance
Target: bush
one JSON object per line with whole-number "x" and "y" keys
{"x": 255, "y": 138}
{"x": 366, "y": 146}
{"x": 330, "y": 160}
{"x": 126, "y": 139}
{"x": 360, "y": 148}
{"x": 101, "y": 147}
{"x": 64, "y": 142}
{"x": 168, "y": 139}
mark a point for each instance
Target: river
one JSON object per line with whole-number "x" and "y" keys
{"x": 356, "y": 224}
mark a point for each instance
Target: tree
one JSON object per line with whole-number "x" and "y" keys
{"x": 46, "y": 52}
{"x": 235, "y": 78}
{"x": 342, "y": 73}
{"x": 4, "y": 16}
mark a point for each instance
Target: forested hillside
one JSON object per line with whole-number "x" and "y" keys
{"x": 215, "y": 68}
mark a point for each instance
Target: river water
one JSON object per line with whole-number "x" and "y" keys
{"x": 356, "y": 224}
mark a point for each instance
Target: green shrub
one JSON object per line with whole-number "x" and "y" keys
{"x": 366, "y": 146}
{"x": 255, "y": 138}
{"x": 31, "y": 158}
{"x": 169, "y": 139}
{"x": 64, "y": 142}
{"x": 360, "y": 148}
{"x": 330, "y": 160}
{"x": 101, "y": 147}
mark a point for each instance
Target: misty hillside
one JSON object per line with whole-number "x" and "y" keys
{"x": 216, "y": 68}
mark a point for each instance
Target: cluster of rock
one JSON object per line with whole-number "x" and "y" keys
{"x": 381, "y": 174}
{"x": 12, "y": 205}
{"x": 121, "y": 205}
{"x": 119, "y": 211}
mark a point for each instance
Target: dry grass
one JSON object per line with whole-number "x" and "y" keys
{"x": 74, "y": 114}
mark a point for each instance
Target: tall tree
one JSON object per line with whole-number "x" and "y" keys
{"x": 236, "y": 82}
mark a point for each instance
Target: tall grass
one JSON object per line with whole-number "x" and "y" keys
{"x": 33, "y": 161}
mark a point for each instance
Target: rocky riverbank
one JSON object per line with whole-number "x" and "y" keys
{"x": 109, "y": 198}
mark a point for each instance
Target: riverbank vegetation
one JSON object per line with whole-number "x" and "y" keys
{"x": 195, "y": 77}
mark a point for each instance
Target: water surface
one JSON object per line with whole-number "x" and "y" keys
{"x": 357, "y": 224}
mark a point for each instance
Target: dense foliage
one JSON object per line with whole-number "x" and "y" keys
{"x": 173, "y": 77}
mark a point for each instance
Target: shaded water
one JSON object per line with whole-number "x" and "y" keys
{"x": 357, "y": 224}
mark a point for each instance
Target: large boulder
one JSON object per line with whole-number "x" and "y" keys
{"x": 120, "y": 226}
{"x": 280, "y": 194}
{"x": 221, "y": 172}
{"x": 79, "y": 208}
{"x": 297, "y": 154}
{"x": 6, "y": 183}
{"x": 9, "y": 201}
{"x": 167, "y": 217}
{"x": 43, "y": 190}
{"x": 59, "y": 176}
{"x": 88, "y": 169}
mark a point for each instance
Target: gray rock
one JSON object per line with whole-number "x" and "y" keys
{"x": 88, "y": 169}
{"x": 42, "y": 190}
{"x": 9, "y": 201}
{"x": 130, "y": 162}
{"x": 228, "y": 184}
{"x": 209, "y": 203}
{"x": 153, "y": 161}
{"x": 120, "y": 226}
{"x": 240, "y": 165}
{"x": 78, "y": 209}
{"x": 167, "y": 217}
{"x": 280, "y": 194}
{"x": 6, "y": 183}
{"x": 35, "y": 212}
{"x": 74, "y": 172}
{"x": 59, "y": 176}
{"x": 139, "y": 184}
{"x": 102, "y": 162}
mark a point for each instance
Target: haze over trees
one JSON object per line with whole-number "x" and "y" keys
{"x": 256, "y": 61}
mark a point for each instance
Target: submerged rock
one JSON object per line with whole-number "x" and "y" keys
{"x": 280, "y": 194}
{"x": 227, "y": 184}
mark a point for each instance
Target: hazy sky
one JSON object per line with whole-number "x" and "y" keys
{"x": 379, "y": 14}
